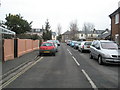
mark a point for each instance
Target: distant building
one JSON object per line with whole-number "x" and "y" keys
{"x": 105, "y": 35}
{"x": 37, "y": 31}
{"x": 81, "y": 35}
{"x": 54, "y": 36}
{"x": 66, "y": 36}
{"x": 6, "y": 31}
{"x": 115, "y": 25}
{"x": 90, "y": 35}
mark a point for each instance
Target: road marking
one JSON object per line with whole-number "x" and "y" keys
{"x": 76, "y": 61}
{"x": 90, "y": 81}
{"x": 69, "y": 51}
{"x": 15, "y": 68}
{"x": 20, "y": 73}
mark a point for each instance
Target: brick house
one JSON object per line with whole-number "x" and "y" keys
{"x": 115, "y": 25}
{"x": 66, "y": 36}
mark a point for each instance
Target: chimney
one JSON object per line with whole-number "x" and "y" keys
{"x": 118, "y": 4}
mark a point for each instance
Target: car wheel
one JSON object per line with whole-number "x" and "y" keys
{"x": 90, "y": 55}
{"x": 54, "y": 54}
{"x": 81, "y": 51}
{"x": 40, "y": 54}
{"x": 100, "y": 60}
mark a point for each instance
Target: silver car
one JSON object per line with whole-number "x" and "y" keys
{"x": 84, "y": 46}
{"x": 105, "y": 51}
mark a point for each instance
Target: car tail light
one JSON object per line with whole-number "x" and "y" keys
{"x": 83, "y": 46}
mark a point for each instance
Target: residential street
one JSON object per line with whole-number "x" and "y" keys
{"x": 68, "y": 69}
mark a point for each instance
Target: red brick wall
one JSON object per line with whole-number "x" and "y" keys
{"x": 35, "y": 44}
{"x": 27, "y": 45}
{"x": 21, "y": 47}
{"x": 24, "y": 46}
{"x": 8, "y": 49}
{"x": 115, "y": 27}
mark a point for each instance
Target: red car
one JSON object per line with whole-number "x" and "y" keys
{"x": 47, "y": 48}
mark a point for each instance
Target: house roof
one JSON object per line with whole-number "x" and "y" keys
{"x": 104, "y": 35}
{"x": 115, "y": 12}
{"x": 83, "y": 32}
{"x": 92, "y": 32}
{"x": 66, "y": 33}
{"x": 6, "y": 31}
{"x": 54, "y": 33}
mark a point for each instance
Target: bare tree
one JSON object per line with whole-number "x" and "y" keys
{"x": 73, "y": 28}
{"x": 59, "y": 27}
{"x": 88, "y": 27}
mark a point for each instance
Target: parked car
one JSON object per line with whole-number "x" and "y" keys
{"x": 58, "y": 43}
{"x": 77, "y": 44}
{"x": 55, "y": 43}
{"x": 84, "y": 46}
{"x": 72, "y": 43}
{"x": 105, "y": 51}
{"x": 68, "y": 42}
{"x": 47, "y": 48}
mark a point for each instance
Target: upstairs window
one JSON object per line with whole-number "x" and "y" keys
{"x": 116, "y": 18}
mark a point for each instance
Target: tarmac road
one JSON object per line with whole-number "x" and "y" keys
{"x": 68, "y": 69}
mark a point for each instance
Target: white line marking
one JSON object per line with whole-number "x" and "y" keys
{"x": 19, "y": 74}
{"x": 69, "y": 51}
{"x": 90, "y": 81}
{"x": 15, "y": 68}
{"x": 76, "y": 61}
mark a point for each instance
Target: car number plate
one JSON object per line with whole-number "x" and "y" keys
{"x": 88, "y": 46}
{"x": 46, "y": 51}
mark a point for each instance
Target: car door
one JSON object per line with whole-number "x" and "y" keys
{"x": 97, "y": 50}
{"x": 92, "y": 48}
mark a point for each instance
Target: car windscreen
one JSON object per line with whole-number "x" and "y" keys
{"x": 47, "y": 44}
{"x": 109, "y": 45}
{"x": 88, "y": 43}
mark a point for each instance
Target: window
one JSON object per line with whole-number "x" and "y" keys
{"x": 116, "y": 18}
{"x": 81, "y": 35}
{"x": 91, "y": 35}
{"x": 47, "y": 44}
{"x": 109, "y": 45}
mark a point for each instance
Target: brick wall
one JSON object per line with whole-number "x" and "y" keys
{"x": 27, "y": 45}
{"x": 8, "y": 49}
{"x": 115, "y": 28}
{"x": 23, "y": 46}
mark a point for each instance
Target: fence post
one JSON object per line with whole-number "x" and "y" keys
{"x": 0, "y": 47}
{"x": 15, "y": 47}
{"x": 3, "y": 51}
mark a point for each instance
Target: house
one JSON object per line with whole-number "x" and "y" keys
{"x": 90, "y": 35}
{"x": 66, "y": 36}
{"x": 37, "y": 31}
{"x": 105, "y": 35}
{"x": 115, "y": 25}
{"x": 81, "y": 35}
{"x": 54, "y": 36}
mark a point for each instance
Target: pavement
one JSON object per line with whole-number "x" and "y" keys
{"x": 11, "y": 64}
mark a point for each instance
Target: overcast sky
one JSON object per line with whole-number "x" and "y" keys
{"x": 61, "y": 12}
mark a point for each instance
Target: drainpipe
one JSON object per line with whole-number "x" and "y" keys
{"x": 119, "y": 22}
